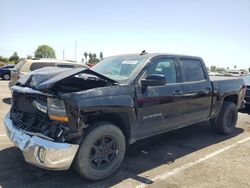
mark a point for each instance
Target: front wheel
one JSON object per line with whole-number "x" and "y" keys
{"x": 226, "y": 121}
{"x": 101, "y": 152}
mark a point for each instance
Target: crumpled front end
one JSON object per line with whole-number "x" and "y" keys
{"x": 40, "y": 151}
{"x": 47, "y": 129}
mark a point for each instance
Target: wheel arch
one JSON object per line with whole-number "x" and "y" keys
{"x": 121, "y": 120}
{"x": 232, "y": 98}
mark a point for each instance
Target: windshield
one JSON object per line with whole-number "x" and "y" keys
{"x": 247, "y": 80}
{"x": 119, "y": 68}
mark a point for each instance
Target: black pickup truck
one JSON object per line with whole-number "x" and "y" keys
{"x": 88, "y": 116}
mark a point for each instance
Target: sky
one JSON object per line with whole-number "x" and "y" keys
{"x": 217, "y": 31}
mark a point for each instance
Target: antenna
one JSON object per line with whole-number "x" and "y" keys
{"x": 143, "y": 52}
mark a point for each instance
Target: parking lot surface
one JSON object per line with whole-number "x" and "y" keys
{"x": 189, "y": 157}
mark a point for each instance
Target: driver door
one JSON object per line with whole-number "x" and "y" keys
{"x": 159, "y": 107}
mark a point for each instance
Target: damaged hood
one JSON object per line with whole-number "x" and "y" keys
{"x": 46, "y": 78}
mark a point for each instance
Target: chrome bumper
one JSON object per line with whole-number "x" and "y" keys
{"x": 39, "y": 151}
{"x": 243, "y": 104}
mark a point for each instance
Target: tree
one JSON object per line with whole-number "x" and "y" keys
{"x": 101, "y": 56}
{"x": 4, "y": 59}
{"x": 86, "y": 56}
{"x": 235, "y": 66}
{"x": 220, "y": 69}
{"x": 90, "y": 56}
{"x": 93, "y": 59}
{"x": 14, "y": 58}
{"x": 249, "y": 69}
{"x": 82, "y": 61}
{"x": 213, "y": 68}
{"x": 45, "y": 51}
{"x": 29, "y": 57}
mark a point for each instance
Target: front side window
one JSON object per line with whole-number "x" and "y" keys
{"x": 164, "y": 67}
{"x": 191, "y": 70}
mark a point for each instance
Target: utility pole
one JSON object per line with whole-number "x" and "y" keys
{"x": 75, "y": 49}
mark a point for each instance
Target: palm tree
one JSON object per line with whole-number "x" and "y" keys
{"x": 90, "y": 56}
{"x": 86, "y": 56}
{"x": 101, "y": 56}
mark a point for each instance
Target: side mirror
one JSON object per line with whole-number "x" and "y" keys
{"x": 153, "y": 80}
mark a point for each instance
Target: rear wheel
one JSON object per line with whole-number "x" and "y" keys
{"x": 6, "y": 77}
{"x": 101, "y": 152}
{"x": 226, "y": 121}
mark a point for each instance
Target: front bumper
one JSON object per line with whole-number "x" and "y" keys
{"x": 243, "y": 104}
{"x": 39, "y": 151}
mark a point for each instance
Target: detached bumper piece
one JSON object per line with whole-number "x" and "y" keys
{"x": 40, "y": 152}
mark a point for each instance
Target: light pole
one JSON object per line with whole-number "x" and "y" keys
{"x": 75, "y": 49}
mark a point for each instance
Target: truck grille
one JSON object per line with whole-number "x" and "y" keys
{"x": 24, "y": 102}
{"x": 25, "y": 116}
{"x": 25, "y": 127}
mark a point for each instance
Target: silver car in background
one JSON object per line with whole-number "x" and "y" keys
{"x": 247, "y": 96}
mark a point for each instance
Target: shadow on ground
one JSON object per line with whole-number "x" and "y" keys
{"x": 7, "y": 100}
{"x": 245, "y": 110}
{"x": 140, "y": 157}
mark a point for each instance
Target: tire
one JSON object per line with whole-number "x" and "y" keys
{"x": 95, "y": 162}
{"x": 6, "y": 77}
{"x": 225, "y": 123}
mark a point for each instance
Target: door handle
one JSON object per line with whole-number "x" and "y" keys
{"x": 178, "y": 92}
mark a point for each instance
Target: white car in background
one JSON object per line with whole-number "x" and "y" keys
{"x": 237, "y": 73}
{"x": 215, "y": 74}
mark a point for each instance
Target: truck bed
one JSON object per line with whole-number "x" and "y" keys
{"x": 227, "y": 84}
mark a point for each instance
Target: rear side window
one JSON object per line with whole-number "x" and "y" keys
{"x": 191, "y": 70}
{"x": 35, "y": 66}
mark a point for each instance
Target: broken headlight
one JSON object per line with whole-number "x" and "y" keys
{"x": 56, "y": 110}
